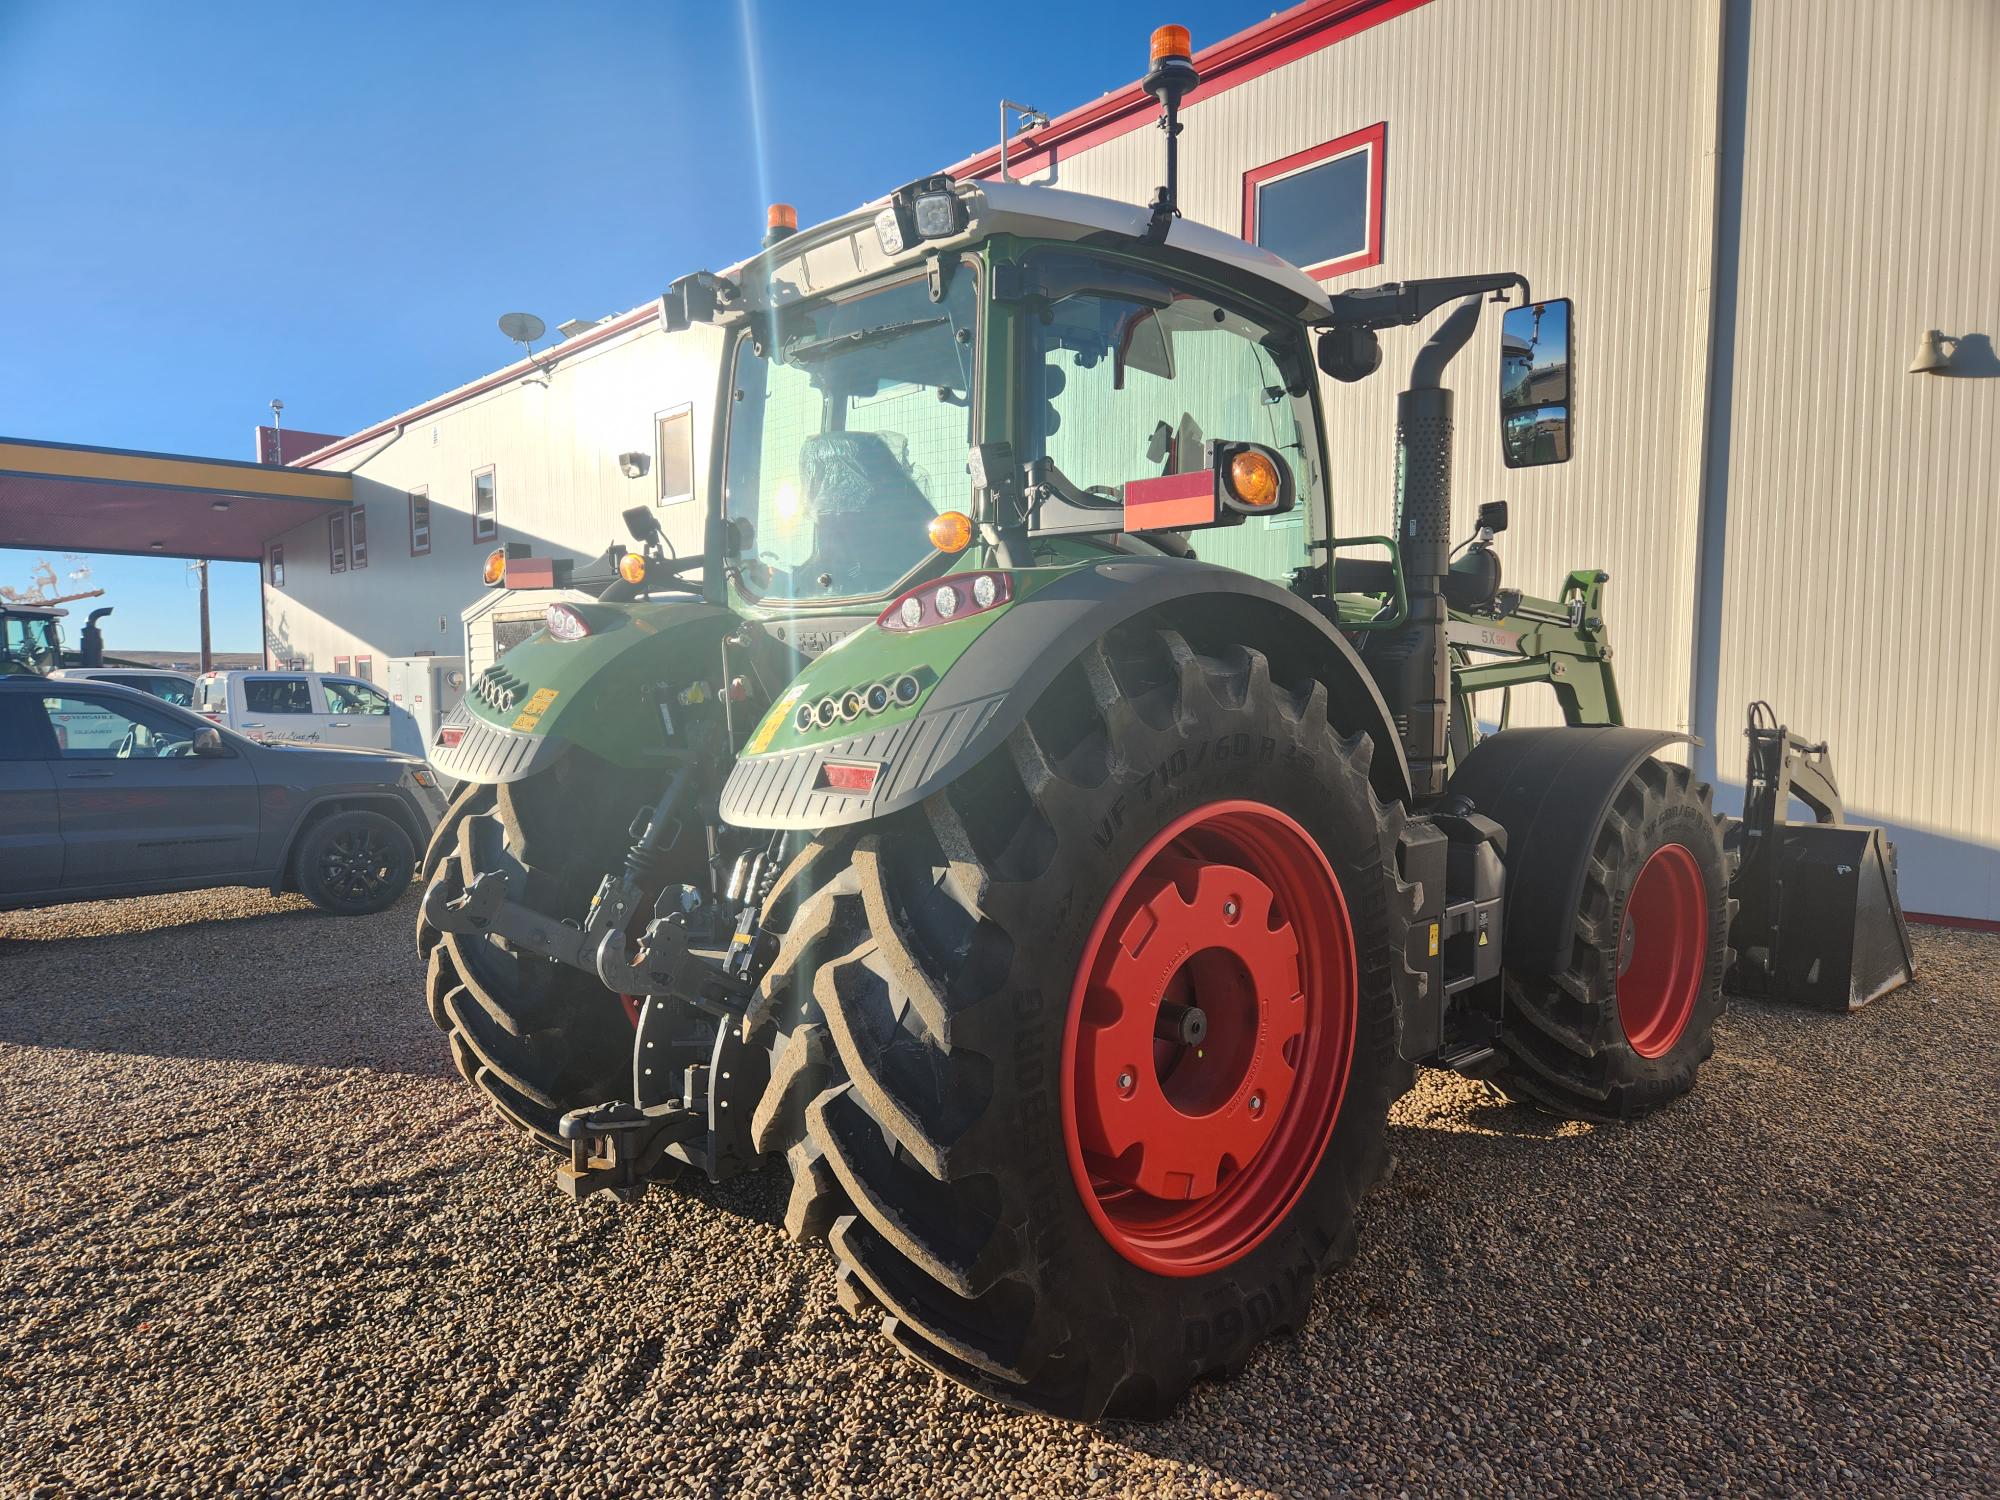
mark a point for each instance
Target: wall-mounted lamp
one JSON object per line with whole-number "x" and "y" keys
{"x": 633, "y": 465}
{"x": 1931, "y": 358}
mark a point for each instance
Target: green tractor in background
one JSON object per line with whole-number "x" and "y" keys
{"x": 1030, "y": 820}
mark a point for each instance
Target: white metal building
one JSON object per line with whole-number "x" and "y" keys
{"x": 1761, "y": 207}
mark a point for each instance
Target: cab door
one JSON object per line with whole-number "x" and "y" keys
{"x": 358, "y": 713}
{"x": 31, "y": 851}
{"x": 280, "y": 706}
{"x": 138, "y": 808}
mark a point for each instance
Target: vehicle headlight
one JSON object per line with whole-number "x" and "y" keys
{"x": 937, "y": 216}
{"x": 889, "y": 230}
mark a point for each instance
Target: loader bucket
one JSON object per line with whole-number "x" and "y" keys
{"x": 1825, "y": 927}
{"x": 1819, "y": 920}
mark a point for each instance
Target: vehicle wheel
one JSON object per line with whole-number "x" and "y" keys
{"x": 536, "y": 1037}
{"x": 354, "y": 864}
{"x": 1625, "y": 1028}
{"x": 1098, "y": 1044}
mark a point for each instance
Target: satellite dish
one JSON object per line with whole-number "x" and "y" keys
{"x": 522, "y": 328}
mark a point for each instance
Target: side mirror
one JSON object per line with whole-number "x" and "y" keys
{"x": 208, "y": 743}
{"x": 1535, "y": 396}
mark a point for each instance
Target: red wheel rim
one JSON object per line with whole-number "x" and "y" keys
{"x": 1662, "y": 950}
{"x": 1187, "y": 1156}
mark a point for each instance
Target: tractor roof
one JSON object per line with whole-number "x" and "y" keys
{"x": 846, "y": 249}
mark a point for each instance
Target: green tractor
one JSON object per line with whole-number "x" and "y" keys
{"x": 1033, "y": 822}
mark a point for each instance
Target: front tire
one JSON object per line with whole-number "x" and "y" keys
{"x": 354, "y": 864}
{"x": 537, "y": 1038}
{"x": 955, "y": 999}
{"x": 1625, "y": 1028}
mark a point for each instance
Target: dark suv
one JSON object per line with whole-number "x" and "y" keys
{"x": 106, "y": 791}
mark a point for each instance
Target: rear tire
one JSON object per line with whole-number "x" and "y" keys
{"x": 936, "y": 1054}
{"x": 536, "y": 1037}
{"x": 1626, "y": 1027}
{"x": 354, "y": 864}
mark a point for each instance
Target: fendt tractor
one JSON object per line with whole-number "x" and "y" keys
{"x": 1032, "y": 821}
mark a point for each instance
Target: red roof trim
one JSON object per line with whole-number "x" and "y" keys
{"x": 1284, "y": 38}
{"x": 553, "y": 355}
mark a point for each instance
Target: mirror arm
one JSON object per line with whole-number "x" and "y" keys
{"x": 1397, "y": 304}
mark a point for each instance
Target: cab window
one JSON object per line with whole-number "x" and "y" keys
{"x": 172, "y": 690}
{"x": 1136, "y": 385}
{"x": 277, "y": 695}
{"x": 100, "y": 729}
{"x": 352, "y": 697}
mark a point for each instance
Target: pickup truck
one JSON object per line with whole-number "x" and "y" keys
{"x": 307, "y": 708}
{"x": 106, "y": 791}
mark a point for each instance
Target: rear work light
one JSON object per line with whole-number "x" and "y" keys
{"x": 846, "y": 776}
{"x": 450, "y": 736}
{"x": 946, "y": 599}
{"x": 565, "y": 624}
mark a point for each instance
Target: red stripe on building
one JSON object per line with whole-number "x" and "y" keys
{"x": 1286, "y": 37}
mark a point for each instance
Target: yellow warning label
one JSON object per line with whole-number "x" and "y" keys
{"x": 1482, "y": 937}
{"x": 774, "y": 721}
{"x": 535, "y": 707}
{"x": 1434, "y": 940}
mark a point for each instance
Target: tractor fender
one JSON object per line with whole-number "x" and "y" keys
{"x": 1550, "y": 789}
{"x": 987, "y": 690}
{"x": 546, "y": 696}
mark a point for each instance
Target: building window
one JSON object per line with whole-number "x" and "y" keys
{"x": 420, "y": 522}
{"x": 336, "y": 543}
{"x": 357, "y": 547}
{"x": 673, "y": 458}
{"x": 364, "y": 668}
{"x": 1321, "y": 208}
{"x": 485, "y": 505}
{"x": 343, "y": 665}
{"x": 277, "y": 565}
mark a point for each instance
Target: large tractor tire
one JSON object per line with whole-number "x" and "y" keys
{"x": 1624, "y": 1029}
{"x": 537, "y": 1038}
{"x": 1040, "y": 1172}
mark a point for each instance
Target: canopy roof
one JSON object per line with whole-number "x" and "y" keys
{"x": 72, "y": 498}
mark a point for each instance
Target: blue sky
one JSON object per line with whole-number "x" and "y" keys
{"x": 211, "y": 205}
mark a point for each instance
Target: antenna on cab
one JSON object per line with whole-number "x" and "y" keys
{"x": 1171, "y": 77}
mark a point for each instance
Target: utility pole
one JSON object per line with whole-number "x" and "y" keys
{"x": 207, "y": 660}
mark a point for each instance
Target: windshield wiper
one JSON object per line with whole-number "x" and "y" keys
{"x": 859, "y": 338}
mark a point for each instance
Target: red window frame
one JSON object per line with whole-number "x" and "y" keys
{"x": 364, "y": 668}
{"x": 1374, "y": 140}
{"x": 342, "y": 666}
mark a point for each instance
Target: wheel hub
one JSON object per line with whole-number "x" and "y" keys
{"x": 1210, "y": 1034}
{"x": 1662, "y": 950}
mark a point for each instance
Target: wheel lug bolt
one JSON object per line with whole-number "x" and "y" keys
{"x": 1256, "y": 1104}
{"x": 1230, "y": 909}
{"x": 1125, "y": 1083}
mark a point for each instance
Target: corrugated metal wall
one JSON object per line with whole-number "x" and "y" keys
{"x": 1859, "y": 580}
{"x": 1567, "y": 142}
{"x": 555, "y": 451}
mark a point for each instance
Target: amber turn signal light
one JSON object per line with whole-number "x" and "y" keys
{"x": 1171, "y": 41}
{"x": 632, "y": 568}
{"x": 1253, "y": 480}
{"x": 496, "y": 566}
{"x": 951, "y": 531}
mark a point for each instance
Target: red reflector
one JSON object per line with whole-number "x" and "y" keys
{"x": 450, "y": 735}
{"x": 1171, "y": 502}
{"x": 531, "y": 572}
{"x": 838, "y": 777}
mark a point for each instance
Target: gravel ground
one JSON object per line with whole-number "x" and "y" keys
{"x": 256, "y": 1238}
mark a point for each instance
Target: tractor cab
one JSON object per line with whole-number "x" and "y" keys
{"x": 30, "y": 640}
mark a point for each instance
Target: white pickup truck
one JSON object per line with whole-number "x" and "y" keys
{"x": 313, "y": 708}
